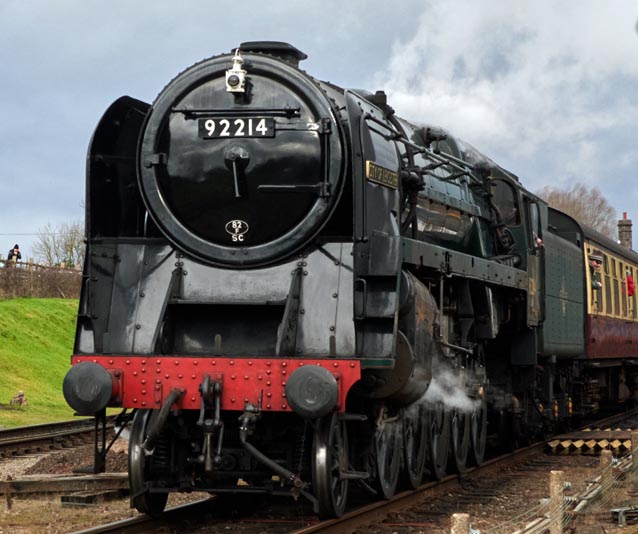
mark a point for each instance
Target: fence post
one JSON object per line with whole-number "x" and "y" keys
{"x": 634, "y": 450}
{"x": 606, "y": 476}
{"x": 556, "y": 500}
{"x": 460, "y": 523}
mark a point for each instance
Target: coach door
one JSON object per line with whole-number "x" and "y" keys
{"x": 376, "y": 249}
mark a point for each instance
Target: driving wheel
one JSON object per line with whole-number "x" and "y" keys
{"x": 415, "y": 444}
{"x": 388, "y": 447}
{"x": 330, "y": 454}
{"x": 438, "y": 439}
{"x": 139, "y": 469}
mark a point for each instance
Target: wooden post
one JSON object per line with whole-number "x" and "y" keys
{"x": 606, "y": 476}
{"x": 634, "y": 450}
{"x": 460, "y": 523}
{"x": 556, "y": 500}
{"x": 8, "y": 495}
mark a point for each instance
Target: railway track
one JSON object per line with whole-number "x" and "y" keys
{"x": 421, "y": 509}
{"x": 45, "y": 437}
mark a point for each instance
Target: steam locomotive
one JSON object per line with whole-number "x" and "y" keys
{"x": 286, "y": 284}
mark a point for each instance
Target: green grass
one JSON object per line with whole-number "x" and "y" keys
{"x": 36, "y": 341}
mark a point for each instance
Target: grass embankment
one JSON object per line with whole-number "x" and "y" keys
{"x": 36, "y": 341}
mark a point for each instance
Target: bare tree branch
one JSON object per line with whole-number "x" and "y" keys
{"x": 60, "y": 244}
{"x": 588, "y": 206}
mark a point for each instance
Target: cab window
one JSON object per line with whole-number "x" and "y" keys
{"x": 504, "y": 198}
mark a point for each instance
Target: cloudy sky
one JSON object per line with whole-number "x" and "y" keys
{"x": 548, "y": 89}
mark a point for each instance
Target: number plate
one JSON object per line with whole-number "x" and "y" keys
{"x": 236, "y": 127}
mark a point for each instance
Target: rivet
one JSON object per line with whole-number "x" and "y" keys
{"x": 143, "y": 362}
{"x": 176, "y": 362}
{"x": 283, "y": 372}
{"x": 158, "y": 362}
{"x": 142, "y": 294}
{"x": 283, "y": 364}
{"x": 111, "y": 362}
{"x": 259, "y": 377}
{"x": 143, "y": 403}
{"x": 352, "y": 365}
{"x": 213, "y": 362}
{"x": 245, "y": 377}
{"x": 143, "y": 369}
{"x": 158, "y": 371}
{"x": 232, "y": 362}
{"x": 268, "y": 383}
{"x": 195, "y": 362}
{"x": 134, "y": 373}
{"x": 135, "y": 400}
{"x": 335, "y": 295}
{"x": 300, "y": 364}
{"x": 232, "y": 377}
{"x": 269, "y": 394}
{"x": 268, "y": 364}
{"x": 232, "y": 399}
{"x": 182, "y": 390}
{"x": 128, "y": 362}
{"x": 283, "y": 395}
{"x": 332, "y": 328}
{"x": 94, "y": 361}
{"x": 138, "y": 326}
{"x": 283, "y": 383}
{"x": 268, "y": 371}
{"x": 268, "y": 407}
{"x": 180, "y": 375}
{"x": 157, "y": 388}
{"x": 335, "y": 364}
{"x": 143, "y": 392}
{"x": 158, "y": 381}
{"x": 250, "y": 362}
{"x": 284, "y": 406}
{"x": 193, "y": 377}
{"x": 193, "y": 399}
{"x": 166, "y": 376}
{"x": 245, "y": 399}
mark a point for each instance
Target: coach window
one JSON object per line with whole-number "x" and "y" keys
{"x": 607, "y": 285}
{"x": 623, "y": 287}
{"x": 616, "y": 290}
{"x": 632, "y": 296}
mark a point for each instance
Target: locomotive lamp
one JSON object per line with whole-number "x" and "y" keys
{"x": 88, "y": 388}
{"x": 236, "y": 76}
{"x": 312, "y": 391}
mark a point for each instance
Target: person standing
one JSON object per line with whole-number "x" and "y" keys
{"x": 14, "y": 255}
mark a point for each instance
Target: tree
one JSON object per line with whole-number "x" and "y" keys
{"x": 61, "y": 244}
{"x": 588, "y": 206}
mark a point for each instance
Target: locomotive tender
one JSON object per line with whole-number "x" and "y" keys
{"x": 278, "y": 270}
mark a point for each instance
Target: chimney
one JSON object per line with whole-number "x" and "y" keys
{"x": 624, "y": 231}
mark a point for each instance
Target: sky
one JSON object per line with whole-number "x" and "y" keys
{"x": 547, "y": 89}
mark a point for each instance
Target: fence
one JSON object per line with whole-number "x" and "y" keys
{"x": 28, "y": 279}
{"x": 611, "y": 495}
